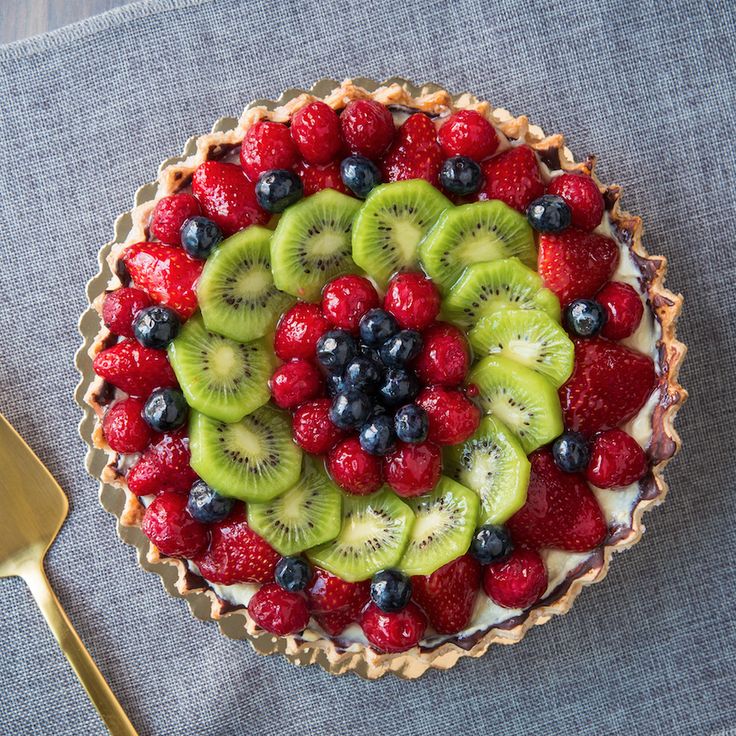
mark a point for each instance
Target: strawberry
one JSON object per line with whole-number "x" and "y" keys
{"x": 169, "y": 214}
{"x": 518, "y": 581}
{"x": 616, "y": 460}
{"x": 393, "y": 632}
{"x": 167, "y": 274}
{"x": 171, "y": 528}
{"x": 134, "y": 369}
{"x": 513, "y": 177}
{"x": 582, "y": 196}
{"x": 316, "y": 178}
{"x": 163, "y": 467}
{"x": 468, "y": 133}
{"x": 415, "y": 153}
{"x": 448, "y": 594}
{"x": 623, "y": 307}
{"x": 120, "y": 307}
{"x": 560, "y": 510}
{"x": 334, "y": 622}
{"x": 609, "y": 384}
{"x": 278, "y": 611}
{"x": 267, "y": 145}
{"x": 328, "y": 593}
{"x": 575, "y": 264}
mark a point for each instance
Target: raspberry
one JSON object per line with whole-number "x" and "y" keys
{"x": 327, "y": 593}
{"x": 513, "y": 177}
{"x": 623, "y": 307}
{"x": 393, "y": 632}
{"x": 413, "y": 299}
{"x": 133, "y": 368}
{"x": 413, "y": 469}
{"x": 120, "y": 307}
{"x": 316, "y": 178}
{"x": 163, "y": 467}
{"x": 445, "y": 356}
{"x": 353, "y": 469}
{"x": 313, "y": 430}
{"x": 267, "y": 145}
{"x": 298, "y": 331}
{"x": 415, "y": 153}
{"x": 296, "y": 382}
{"x": 316, "y": 131}
{"x": 452, "y": 416}
{"x": 616, "y": 460}
{"x": 518, "y": 581}
{"x": 368, "y": 128}
{"x": 583, "y": 197}
{"x": 468, "y": 133}
{"x": 346, "y": 299}
{"x": 278, "y": 611}
{"x": 169, "y": 214}
{"x": 168, "y": 524}
{"x": 124, "y": 427}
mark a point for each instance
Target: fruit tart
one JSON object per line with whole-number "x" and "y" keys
{"x": 378, "y": 376}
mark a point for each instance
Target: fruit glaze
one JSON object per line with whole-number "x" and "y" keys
{"x": 384, "y": 375}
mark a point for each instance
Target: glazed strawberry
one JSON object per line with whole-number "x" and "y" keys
{"x": 316, "y": 131}
{"x": 575, "y": 264}
{"x": 236, "y": 553}
{"x": 393, "y": 632}
{"x": 227, "y": 196}
{"x": 267, "y": 145}
{"x": 168, "y": 524}
{"x": 609, "y": 384}
{"x": 312, "y": 428}
{"x": 134, "y": 369}
{"x": 328, "y": 593}
{"x": 623, "y": 307}
{"x": 413, "y": 299}
{"x": 169, "y": 214}
{"x": 413, "y": 469}
{"x": 445, "y": 356}
{"x": 468, "y": 133}
{"x": 278, "y": 611}
{"x": 346, "y": 299}
{"x": 415, "y": 153}
{"x": 560, "y": 510}
{"x": 296, "y": 382}
{"x": 583, "y": 197}
{"x": 353, "y": 469}
{"x": 124, "y": 427}
{"x": 616, "y": 460}
{"x": 167, "y": 274}
{"x": 163, "y": 467}
{"x": 452, "y": 416}
{"x": 316, "y": 178}
{"x": 518, "y": 581}
{"x": 513, "y": 177}
{"x": 448, "y": 595}
{"x": 298, "y": 331}
{"x": 367, "y": 127}
{"x": 120, "y": 307}
{"x": 334, "y": 622}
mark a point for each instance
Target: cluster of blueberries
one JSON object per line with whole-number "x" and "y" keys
{"x": 370, "y": 384}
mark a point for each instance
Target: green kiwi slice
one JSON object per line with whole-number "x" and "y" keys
{"x": 254, "y": 459}
{"x": 493, "y": 464}
{"x": 308, "y": 514}
{"x": 236, "y": 292}
{"x": 504, "y": 284}
{"x": 391, "y": 223}
{"x": 220, "y": 377}
{"x": 475, "y": 233}
{"x": 530, "y": 337}
{"x": 374, "y": 533}
{"x": 525, "y": 401}
{"x": 445, "y": 521}
{"x": 312, "y": 243}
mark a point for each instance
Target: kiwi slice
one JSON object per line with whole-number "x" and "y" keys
{"x": 525, "y": 401}
{"x": 389, "y": 226}
{"x": 445, "y": 521}
{"x": 493, "y": 464}
{"x": 220, "y": 377}
{"x": 312, "y": 243}
{"x": 504, "y": 284}
{"x": 308, "y": 514}
{"x": 475, "y": 233}
{"x": 236, "y": 292}
{"x": 254, "y": 459}
{"x": 530, "y": 337}
{"x": 374, "y": 533}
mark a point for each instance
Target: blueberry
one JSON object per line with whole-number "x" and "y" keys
{"x": 334, "y": 349}
{"x": 276, "y": 189}
{"x": 350, "y": 409}
{"x": 335, "y": 384}
{"x": 360, "y": 175}
{"x": 399, "y": 386}
{"x": 362, "y": 373}
{"x": 491, "y": 543}
{"x": 570, "y": 451}
{"x": 199, "y": 237}
{"x": 584, "y": 317}
{"x": 373, "y": 354}
{"x": 377, "y": 436}
{"x": 206, "y": 505}
{"x": 165, "y": 409}
{"x": 461, "y": 175}
{"x": 376, "y": 326}
{"x": 549, "y": 214}
{"x": 292, "y": 573}
{"x": 156, "y": 327}
{"x": 390, "y": 590}
{"x": 401, "y": 347}
{"x": 411, "y": 423}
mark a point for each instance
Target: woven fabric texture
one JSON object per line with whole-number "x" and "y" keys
{"x": 89, "y": 111}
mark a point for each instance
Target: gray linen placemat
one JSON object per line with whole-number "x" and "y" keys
{"x": 87, "y": 114}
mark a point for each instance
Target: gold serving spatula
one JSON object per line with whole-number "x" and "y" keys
{"x": 32, "y": 509}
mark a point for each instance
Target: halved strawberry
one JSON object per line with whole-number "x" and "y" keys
{"x": 415, "y": 153}
{"x": 163, "y": 467}
{"x": 328, "y": 593}
{"x": 133, "y": 368}
{"x": 513, "y": 177}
